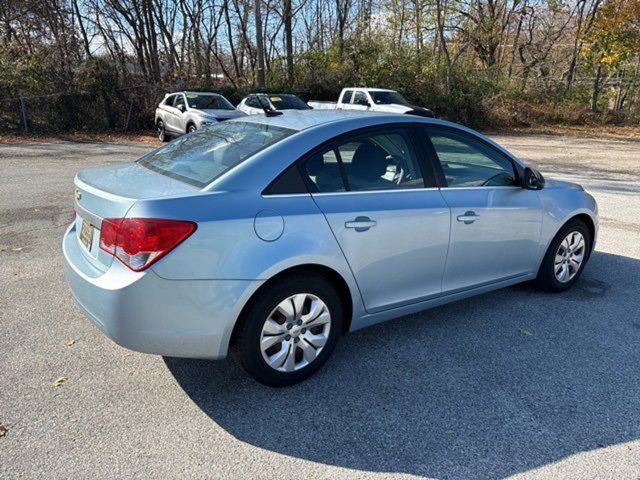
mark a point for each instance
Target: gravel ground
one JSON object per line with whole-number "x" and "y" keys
{"x": 513, "y": 383}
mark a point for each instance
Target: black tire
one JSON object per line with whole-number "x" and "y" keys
{"x": 248, "y": 332}
{"x": 546, "y": 279}
{"x": 163, "y": 136}
{"x": 191, "y": 128}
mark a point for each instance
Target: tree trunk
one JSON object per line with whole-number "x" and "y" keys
{"x": 259, "y": 45}
{"x": 288, "y": 39}
{"x": 596, "y": 89}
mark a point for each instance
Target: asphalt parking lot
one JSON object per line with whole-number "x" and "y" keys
{"x": 513, "y": 383}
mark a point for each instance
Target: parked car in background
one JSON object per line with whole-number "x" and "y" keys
{"x": 186, "y": 112}
{"x": 257, "y": 102}
{"x": 372, "y": 99}
{"x": 275, "y": 235}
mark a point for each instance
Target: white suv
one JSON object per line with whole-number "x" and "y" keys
{"x": 186, "y": 112}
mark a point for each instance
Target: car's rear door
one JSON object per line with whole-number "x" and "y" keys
{"x": 495, "y": 223}
{"x": 388, "y": 217}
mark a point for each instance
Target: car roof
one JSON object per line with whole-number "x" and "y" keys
{"x": 188, "y": 92}
{"x": 370, "y": 89}
{"x": 303, "y": 119}
{"x": 273, "y": 94}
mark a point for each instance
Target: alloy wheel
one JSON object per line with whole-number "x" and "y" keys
{"x": 569, "y": 257}
{"x": 295, "y": 332}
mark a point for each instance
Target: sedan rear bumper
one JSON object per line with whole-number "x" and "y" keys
{"x": 147, "y": 313}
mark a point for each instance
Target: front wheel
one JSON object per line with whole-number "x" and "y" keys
{"x": 566, "y": 257}
{"x": 191, "y": 128}
{"x": 290, "y": 330}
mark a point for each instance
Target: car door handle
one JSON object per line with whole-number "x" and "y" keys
{"x": 361, "y": 224}
{"x": 469, "y": 217}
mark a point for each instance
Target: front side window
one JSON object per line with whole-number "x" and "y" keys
{"x": 200, "y": 158}
{"x": 376, "y": 161}
{"x": 360, "y": 98}
{"x": 469, "y": 162}
{"x": 179, "y": 101}
{"x": 208, "y": 102}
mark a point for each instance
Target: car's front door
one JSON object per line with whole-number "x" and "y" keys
{"x": 495, "y": 223}
{"x": 360, "y": 101}
{"x": 391, "y": 223}
{"x": 179, "y": 114}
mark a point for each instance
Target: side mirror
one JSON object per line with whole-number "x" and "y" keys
{"x": 533, "y": 179}
{"x": 182, "y": 108}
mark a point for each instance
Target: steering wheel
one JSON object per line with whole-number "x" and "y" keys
{"x": 497, "y": 175}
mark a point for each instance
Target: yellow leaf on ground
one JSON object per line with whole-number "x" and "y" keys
{"x": 70, "y": 342}
{"x": 59, "y": 381}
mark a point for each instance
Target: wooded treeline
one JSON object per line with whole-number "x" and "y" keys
{"x": 482, "y": 62}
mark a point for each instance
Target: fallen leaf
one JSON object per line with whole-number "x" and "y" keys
{"x": 524, "y": 332}
{"x": 17, "y": 249}
{"x": 3, "y": 430}
{"x": 59, "y": 381}
{"x": 70, "y": 342}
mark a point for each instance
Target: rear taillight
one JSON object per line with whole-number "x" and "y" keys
{"x": 139, "y": 242}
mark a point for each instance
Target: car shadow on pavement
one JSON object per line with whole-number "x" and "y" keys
{"x": 482, "y": 388}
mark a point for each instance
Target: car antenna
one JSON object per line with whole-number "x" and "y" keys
{"x": 269, "y": 112}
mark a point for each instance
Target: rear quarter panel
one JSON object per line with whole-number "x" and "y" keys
{"x": 226, "y": 245}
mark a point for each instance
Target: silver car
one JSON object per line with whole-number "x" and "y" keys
{"x": 185, "y": 112}
{"x": 274, "y": 236}
{"x": 256, "y": 103}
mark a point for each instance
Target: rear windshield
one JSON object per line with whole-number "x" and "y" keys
{"x": 388, "y": 98}
{"x": 288, "y": 102}
{"x": 201, "y": 157}
{"x": 208, "y": 102}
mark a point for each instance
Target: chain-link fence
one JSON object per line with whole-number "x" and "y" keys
{"x": 126, "y": 109}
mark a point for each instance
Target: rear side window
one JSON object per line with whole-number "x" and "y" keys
{"x": 381, "y": 160}
{"x": 346, "y": 96}
{"x": 169, "y": 100}
{"x": 200, "y": 158}
{"x": 323, "y": 170}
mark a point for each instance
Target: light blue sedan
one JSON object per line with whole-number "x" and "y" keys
{"x": 274, "y": 235}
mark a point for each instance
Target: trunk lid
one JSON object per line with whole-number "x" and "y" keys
{"x": 109, "y": 192}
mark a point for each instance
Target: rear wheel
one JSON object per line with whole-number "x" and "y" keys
{"x": 162, "y": 132}
{"x": 191, "y": 128}
{"x": 290, "y": 330}
{"x": 566, "y": 257}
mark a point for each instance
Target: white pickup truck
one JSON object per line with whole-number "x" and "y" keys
{"x": 372, "y": 100}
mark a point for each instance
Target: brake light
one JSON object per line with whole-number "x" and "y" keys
{"x": 139, "y": 242}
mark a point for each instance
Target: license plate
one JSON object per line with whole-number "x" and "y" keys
{"x": 86, "y": 234}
